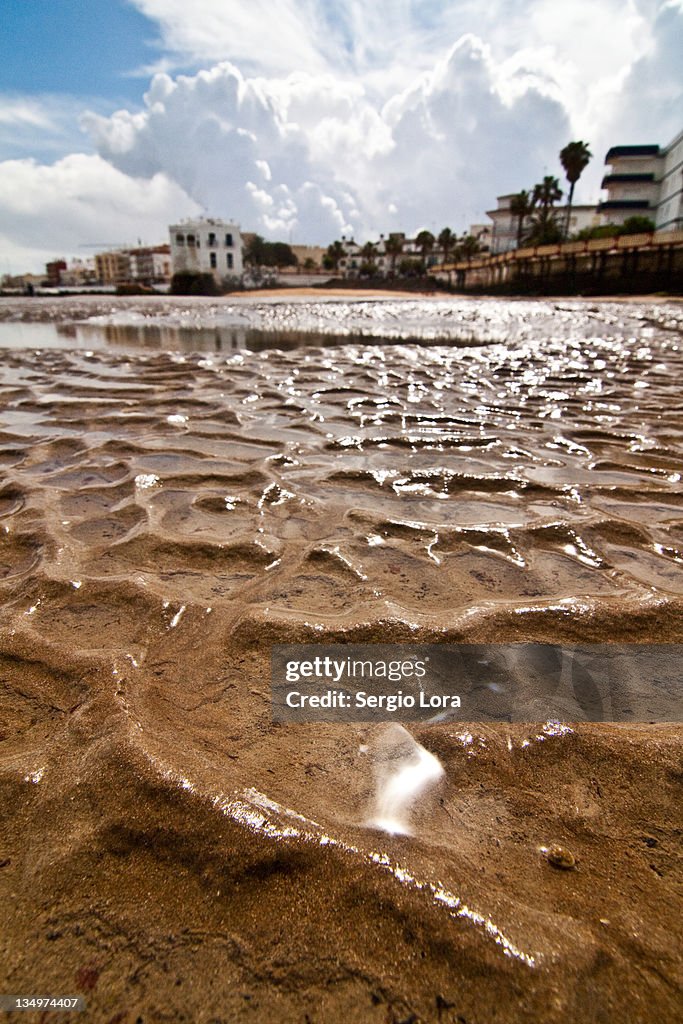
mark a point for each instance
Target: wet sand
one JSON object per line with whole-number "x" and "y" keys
{"x": 512, "y": 472}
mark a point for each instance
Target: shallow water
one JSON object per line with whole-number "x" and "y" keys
{"x": 185, "y": 484}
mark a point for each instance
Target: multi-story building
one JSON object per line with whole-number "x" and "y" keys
{"x": 504, "y": 233}
{"x": 632, "y": 183}
{"x": 386, "y": 255}
{"x": 670, "y": 206}
{"x": 206, "y": 246}
{"x": 141, "y": 265}
{"x": 54, "y": 271}
{"x": 150, "y": 264}
{"x": 161, "y": 263}
{"x": 113, "y": 267}
{"x": 79, "y": 274}
{"x": 645, "y": 181}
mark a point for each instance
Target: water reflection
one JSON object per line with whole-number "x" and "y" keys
{"x": 154, "y": 337}
{"x": 258, "y": 323}
{"x": 27, "y": 335}
{"x": 165, "y": 338}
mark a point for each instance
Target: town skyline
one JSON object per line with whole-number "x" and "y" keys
{"x": 311, "y": 123}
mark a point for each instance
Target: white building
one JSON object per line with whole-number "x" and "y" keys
{"x": 149, "y": 264}
{"x": 161, "y": 263}
{"x": 670, "y": 205}
{"x": 207, "y": 246}
{"x": 632, "y": 183}
{"x": 503, "y": 236}
{"x": 381, "y": 256}
{"x": 645, "y": 181}
{"x": 482, "y": 233}
{"x": 354, "y": 258}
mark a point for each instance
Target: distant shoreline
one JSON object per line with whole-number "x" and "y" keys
{"x": 67, "y": 306}
{"x": 378, "y": 293}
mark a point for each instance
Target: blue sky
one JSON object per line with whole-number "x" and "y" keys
{"x": 306, "y": 119}
{"x": 76, "y": 47}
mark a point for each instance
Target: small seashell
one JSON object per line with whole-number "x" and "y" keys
{"x": 560, "y": 857}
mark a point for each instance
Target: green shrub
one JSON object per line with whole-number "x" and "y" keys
{"x": 637, "y": 226}
{"x": 192, "y": 282}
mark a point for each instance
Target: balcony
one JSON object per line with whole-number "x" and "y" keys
{"x": 625, "y": 204}
{"x": 615, "y": 179}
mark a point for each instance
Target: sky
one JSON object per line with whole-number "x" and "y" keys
{"x": 307, "y": 119}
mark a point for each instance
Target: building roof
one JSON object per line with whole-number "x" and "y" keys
{"x": 631, "y": 151}
{"x": 193, "y": 222}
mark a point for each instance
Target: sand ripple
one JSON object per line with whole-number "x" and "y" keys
{"x": 165, "y": 517}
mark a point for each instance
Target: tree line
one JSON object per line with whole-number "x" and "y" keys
{"x": 447, "y": 245}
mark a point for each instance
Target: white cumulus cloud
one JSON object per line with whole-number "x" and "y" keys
{"x": 311, "y": 156}
{"x": 305, "y": 119}
{"x": 52, "y": 210}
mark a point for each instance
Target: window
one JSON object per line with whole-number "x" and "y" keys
{"x": 228, "y": 240}
{"x": 212, "y": 239}
{"x": 212, "y": 260}
{"x": 190, "y": 239}
{"x": 180, "y": 239}
{"x": 229, "y": 261}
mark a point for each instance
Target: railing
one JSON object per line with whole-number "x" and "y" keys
{"x": 646, "y": 240}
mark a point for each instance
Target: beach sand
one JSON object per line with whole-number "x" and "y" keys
{"x": 165, "y": 517}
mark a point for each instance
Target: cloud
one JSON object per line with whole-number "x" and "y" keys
{"x": 49, "y": 211}
{"x": 312, "y": 155}
{"x": 357, "y": 38}
{"x": 44, "y": 126}
{"x": 650, "y": 102}
{"x": 271, "y": 34}
{"x": 252, "y": 149}
{"x": 20, "y": 110}
{"x": 639, "y": 103}
{"x": 314, "y": 119}
{"x": 458, "y": 140}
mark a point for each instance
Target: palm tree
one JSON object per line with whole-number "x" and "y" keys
{"x": 446, "y": 242}
{"x": 545, "y": 227}
{"x": 369, "y": 251}
{"x": 574, "y": 157}
{"x": 547, "y": 192}
{"x": 368, "y": 267}
{"x": 469, "y": 246}
{"x": 393, "y": 247}
{"x": 425, "y": 243}
{"x": 335, "y": 253}
{"x": 521, "y": 206}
